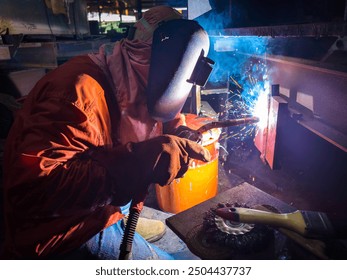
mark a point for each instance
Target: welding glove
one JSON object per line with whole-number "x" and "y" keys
{"x": 188, "y": 133}
{"x": 135, "y": 166}
{"x": 178, "y": 127}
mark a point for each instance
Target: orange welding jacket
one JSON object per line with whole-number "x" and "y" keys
{"x": 55, "y": 198}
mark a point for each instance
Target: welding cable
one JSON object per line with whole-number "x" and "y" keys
{"x": 130, "y": 227}
{"x": 128, "y": 236}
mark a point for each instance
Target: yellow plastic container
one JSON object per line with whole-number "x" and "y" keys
{"x": 200, "y": 181}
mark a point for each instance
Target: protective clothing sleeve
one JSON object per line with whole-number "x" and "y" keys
{"x": 171, "y": 126}
{"x": 56, "y": 197}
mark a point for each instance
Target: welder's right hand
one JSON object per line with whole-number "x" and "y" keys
{"x": 158, "y": 160}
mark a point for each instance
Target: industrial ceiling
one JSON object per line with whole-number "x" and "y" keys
{"x": 129, "y": 6}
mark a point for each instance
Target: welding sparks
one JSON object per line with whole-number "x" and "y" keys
{"x": 261, "y": 106}
{"x": 248, "y": 96}
{"x": 253, "y": 100}
{"x": 240, "y": 62}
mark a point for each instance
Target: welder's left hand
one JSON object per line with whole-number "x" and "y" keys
{"x": 178, "y": 127}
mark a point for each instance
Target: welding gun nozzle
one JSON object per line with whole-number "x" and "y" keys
{"x": 256, "y": 119}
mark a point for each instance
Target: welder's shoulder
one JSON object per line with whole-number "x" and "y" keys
{"x": 68, "y": 79}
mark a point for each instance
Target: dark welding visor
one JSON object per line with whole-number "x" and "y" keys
{"x": 177, "y": 62}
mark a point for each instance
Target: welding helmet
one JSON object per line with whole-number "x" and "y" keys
{"x": 178, "y": 61}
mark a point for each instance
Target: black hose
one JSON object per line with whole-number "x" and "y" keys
{"x": 128, "y": 236}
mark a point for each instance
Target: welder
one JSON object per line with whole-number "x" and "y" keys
{"x": 87, "y": 142}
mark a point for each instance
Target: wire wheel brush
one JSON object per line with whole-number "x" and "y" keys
{"x": 238, "y": 237}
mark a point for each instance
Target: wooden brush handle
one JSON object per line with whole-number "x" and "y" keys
{"x": 293, "y": 221}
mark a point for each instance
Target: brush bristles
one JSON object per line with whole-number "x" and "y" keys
{"x": 255, "y": 240}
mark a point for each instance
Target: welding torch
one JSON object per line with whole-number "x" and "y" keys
{"x": 227, "y": 123}
{"x": 196, "y": 134}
